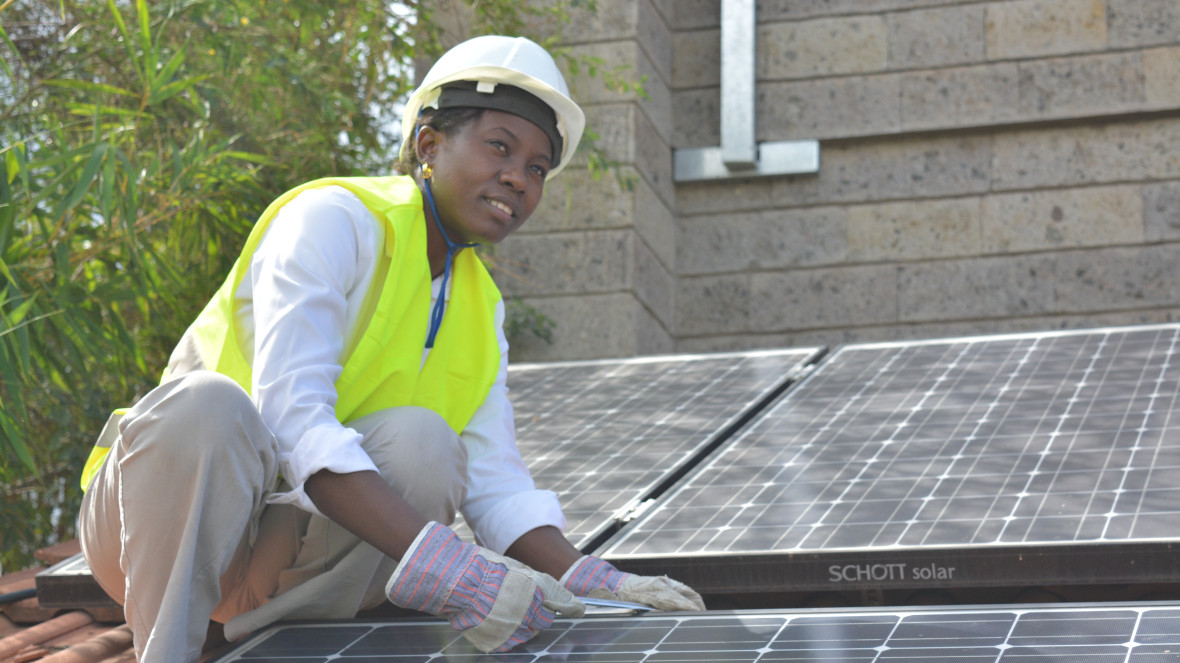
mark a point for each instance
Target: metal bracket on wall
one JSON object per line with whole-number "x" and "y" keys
{"x": 740, "y": 155}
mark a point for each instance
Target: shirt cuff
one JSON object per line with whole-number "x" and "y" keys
{"x": 514, "y": 516}
{"x": 332, "y": 448}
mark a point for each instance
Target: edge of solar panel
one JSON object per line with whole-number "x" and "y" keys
{"x": 806, "y": 351}
{"x": 1145, "y": 560}
{"x": 587, "y": 537}
{"x": 977, "y": 633}
{"x": 1004, "y": 336}
{"x": 70, "y": 584}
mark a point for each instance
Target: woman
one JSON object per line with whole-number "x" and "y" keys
{"x": 343, "y": 395}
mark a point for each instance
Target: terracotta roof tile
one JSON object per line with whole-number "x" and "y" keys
{"x": 30, "y": 633}
{"x": 7, "y": 628}
{"x": 38, "y": 635}
{"x": 102, "y": 646}
{"x": 71, "y": 637}
{"x": 27, "y": 610}
{"x": 59, "y": 553}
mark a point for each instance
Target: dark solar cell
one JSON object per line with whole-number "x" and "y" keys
{"x": 411, "y": 640}
{"x": 994, "y": 634}
{"x": 305, "y": 643}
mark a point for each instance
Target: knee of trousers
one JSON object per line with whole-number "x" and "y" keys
{"x": 419, "y": 454}
{"x": 201, "y": 419}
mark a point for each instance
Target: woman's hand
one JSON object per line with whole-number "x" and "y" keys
{"x": 593, "y": 577}
{"x": 495, "y": 602}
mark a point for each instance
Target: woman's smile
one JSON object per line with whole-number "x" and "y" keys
{"x": 502, "y": 207}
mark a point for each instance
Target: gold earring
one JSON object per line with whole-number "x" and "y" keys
{"x": 427, "y": 171}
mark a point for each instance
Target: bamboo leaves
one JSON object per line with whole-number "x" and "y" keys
{"x": 118, "y": 206}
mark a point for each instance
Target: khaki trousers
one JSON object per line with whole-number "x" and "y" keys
{"x": 177, "y": 529}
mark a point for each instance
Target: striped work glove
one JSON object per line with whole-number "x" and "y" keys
{"x": 495, "y": 602}
{"x": 593, "y": 577}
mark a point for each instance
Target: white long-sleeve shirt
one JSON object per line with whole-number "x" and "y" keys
{"x": 299, "y": 302}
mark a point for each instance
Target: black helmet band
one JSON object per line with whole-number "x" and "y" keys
{"x": 509, "y": 99}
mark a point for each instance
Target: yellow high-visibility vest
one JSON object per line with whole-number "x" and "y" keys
{"x": 382, "y": 364}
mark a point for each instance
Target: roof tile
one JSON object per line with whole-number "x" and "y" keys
{"x": 30, "y": 633}
{"x": 111, "y": 642}
{"x": 35, "y": 636}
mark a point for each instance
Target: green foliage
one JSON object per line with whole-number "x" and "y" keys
{"x": 121, "y": 202}
{"x": 521, "y": 320}
{"x": 138, "y": 142}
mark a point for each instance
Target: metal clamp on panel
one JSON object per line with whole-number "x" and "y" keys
{"x": 632, "y": 510}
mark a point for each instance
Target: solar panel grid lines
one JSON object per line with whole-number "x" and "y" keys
{"x": 1158, "y": 402}
{"x": 605, "y": 434}
{"x": 1124, "y": 632}
{"x": 1051, "y": 439}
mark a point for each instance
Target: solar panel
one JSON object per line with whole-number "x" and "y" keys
{"x": 1123, "y": 632}
{"x": 606, "y": 434}
{"x": 987, "y": 461}
{"x": 69, "y": 584}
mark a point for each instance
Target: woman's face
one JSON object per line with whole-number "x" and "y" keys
{"x": 488, "y": 175}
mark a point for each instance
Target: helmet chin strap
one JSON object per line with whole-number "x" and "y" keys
{"x": 453, "y": 247}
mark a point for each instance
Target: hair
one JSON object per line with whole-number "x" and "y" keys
{"x": 445, "y": 121}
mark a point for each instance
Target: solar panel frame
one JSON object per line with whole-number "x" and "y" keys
{"x": 609, "y": 434}
{"x": 1139, "y": 632}
{"x": 69, "y": 584}
{"x": 824, "y": 461}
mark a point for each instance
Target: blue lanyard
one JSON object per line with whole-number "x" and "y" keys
{"x": 436, "y": 315}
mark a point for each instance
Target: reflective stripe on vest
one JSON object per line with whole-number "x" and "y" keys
{"x": 383, "y": 366}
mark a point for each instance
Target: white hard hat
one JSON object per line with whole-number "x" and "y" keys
{"x": 492, "y": 60}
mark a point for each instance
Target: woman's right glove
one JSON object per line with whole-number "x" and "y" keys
{"x": 597, "y": 578}
{"x": 495, "y": 602}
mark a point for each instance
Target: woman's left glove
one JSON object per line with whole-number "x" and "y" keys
{"x": 593, "y": 577}
{"x": 495, "y": 602}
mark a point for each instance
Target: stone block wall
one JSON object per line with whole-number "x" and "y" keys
{"x": 986, "y": 166}
{"x": 599, "y": 255}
